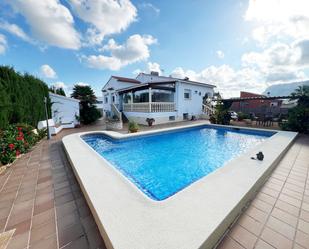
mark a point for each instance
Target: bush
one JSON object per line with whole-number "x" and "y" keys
{"x": 221, "y": 115}
{"x": 21, "y": 98}
{"x": 298, "y": 117}
{"x": 16, "y": 140}
{"x": 133, "y": 127}
{"x": 298, "y": 120}
{"x": 242, "y": 116}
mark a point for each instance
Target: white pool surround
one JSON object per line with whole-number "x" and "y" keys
{"x": 196, "y": 217}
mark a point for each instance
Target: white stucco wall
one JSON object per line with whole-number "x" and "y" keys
{"x": 64, "y": 109}
{"x": 159, "y": 117}
{"x": 146, "y": 78}
{"x": 192, "y": 106}
{"x": 116, "y": 84}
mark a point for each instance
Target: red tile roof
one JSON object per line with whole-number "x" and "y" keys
{"x": 126, "y": 79}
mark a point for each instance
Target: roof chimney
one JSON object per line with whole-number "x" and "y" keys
{"x": 154, "y": 73}
{"x": 186, "y": 78}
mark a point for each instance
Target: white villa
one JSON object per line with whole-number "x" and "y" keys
{"x": 151, "y": 96}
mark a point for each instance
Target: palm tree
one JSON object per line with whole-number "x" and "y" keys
{"x": 302, "y": 93}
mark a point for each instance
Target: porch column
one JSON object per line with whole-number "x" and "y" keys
{"x": 150, "y": 98}
{"x": 131, "y": 94}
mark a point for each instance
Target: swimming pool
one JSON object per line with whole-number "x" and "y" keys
{"x": 161, "y": 165}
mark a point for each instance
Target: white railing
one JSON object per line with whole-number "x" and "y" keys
{"x": 116, "y": 112}
{"x": 149, "y": 107}
{"x": 207, "y": 109}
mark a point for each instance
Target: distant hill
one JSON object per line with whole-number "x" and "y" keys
{"x": 284, "y": 89}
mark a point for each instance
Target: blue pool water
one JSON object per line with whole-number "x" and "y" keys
{"x": 161, "y": 165}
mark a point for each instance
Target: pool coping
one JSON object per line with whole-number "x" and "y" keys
{"x": 127, "y": 218}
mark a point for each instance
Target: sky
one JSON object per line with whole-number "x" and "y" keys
{"x": 236, "y": 45}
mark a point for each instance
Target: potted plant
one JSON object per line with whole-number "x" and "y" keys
{"x": 133, "y": 127}
{"x": 150, "y": 121}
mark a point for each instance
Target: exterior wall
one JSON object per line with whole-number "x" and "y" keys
{"x": 64, "y": 109}
{"x": 159, "y": 117}
{"x": 258, "y": 107}
{"x": 146, "y": 78}
{"x": 116, "y": 84}
{"x": 192, "y": 106}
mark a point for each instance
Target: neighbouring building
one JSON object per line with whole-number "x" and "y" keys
{"x": 263, "y": 106}
{"x": 165, "y": 99}
{"x": 64, "y": 111}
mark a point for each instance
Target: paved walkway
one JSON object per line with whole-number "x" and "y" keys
{"x": 279, "y": 215}
{"x": 40, "y": 198}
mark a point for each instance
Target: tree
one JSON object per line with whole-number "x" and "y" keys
{"x": 56, "y": 90}
{"x": 88, "y": 111}
{"x": 21, "y": 98}
{"x": 298, "y": 117}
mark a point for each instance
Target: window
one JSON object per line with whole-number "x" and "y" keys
{"x": 171, "y": 118}
{"x": 126, "y": 98}
{"x": 185, "y": 116}
{"x": 141, "y": 96}
{"x": 105, "y": 99}
{"x": 113, "y": 98}
{"x": 187, "y": 94}
{"x": 162, "y": 96}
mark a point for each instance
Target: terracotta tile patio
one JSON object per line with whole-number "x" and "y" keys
{"x": 40, "y": 199}
{"x": 278, "y": 217}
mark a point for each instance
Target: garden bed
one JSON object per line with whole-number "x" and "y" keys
{"x": 16, "y": 140}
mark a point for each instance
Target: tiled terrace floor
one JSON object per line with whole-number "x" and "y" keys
{"x": 279, "y": 215}
{"x": 40, "y": 198}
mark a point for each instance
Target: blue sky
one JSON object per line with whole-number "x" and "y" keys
{"x": 234, "y": 44}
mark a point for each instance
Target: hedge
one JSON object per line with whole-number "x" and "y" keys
{"x": 21, "y": 98}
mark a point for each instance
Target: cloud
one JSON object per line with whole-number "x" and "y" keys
{"x": 228, "y": 80}
{"x": 280, "y": 62}
{"x": 50, "y": 22}
{"x": 3, "y": 44}
{"x": 82, "y": 84}
{"x": 278, "y": 19}
{"x": 151, "y": 66}
{"x": 60, "y": 84}
{"x": 15, "y": 30}
{"x": 135, "y": 49}
{"x": 220, "y": 54}
{"x": 48, "y": 72}
{"x": 149, "y": 6}
{"x": 106, "y": 16}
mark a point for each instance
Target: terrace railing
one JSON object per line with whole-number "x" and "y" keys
{"x": 149, "y": 107}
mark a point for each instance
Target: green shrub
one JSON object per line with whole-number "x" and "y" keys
{"x": 298, "y": 117}
{"x": 221, "y": 115}
{"x": 133, "y": 127}
{"x": 21, "y": 98}
{"x": 298, "y": 120}
{"x": 241, "y": 116}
